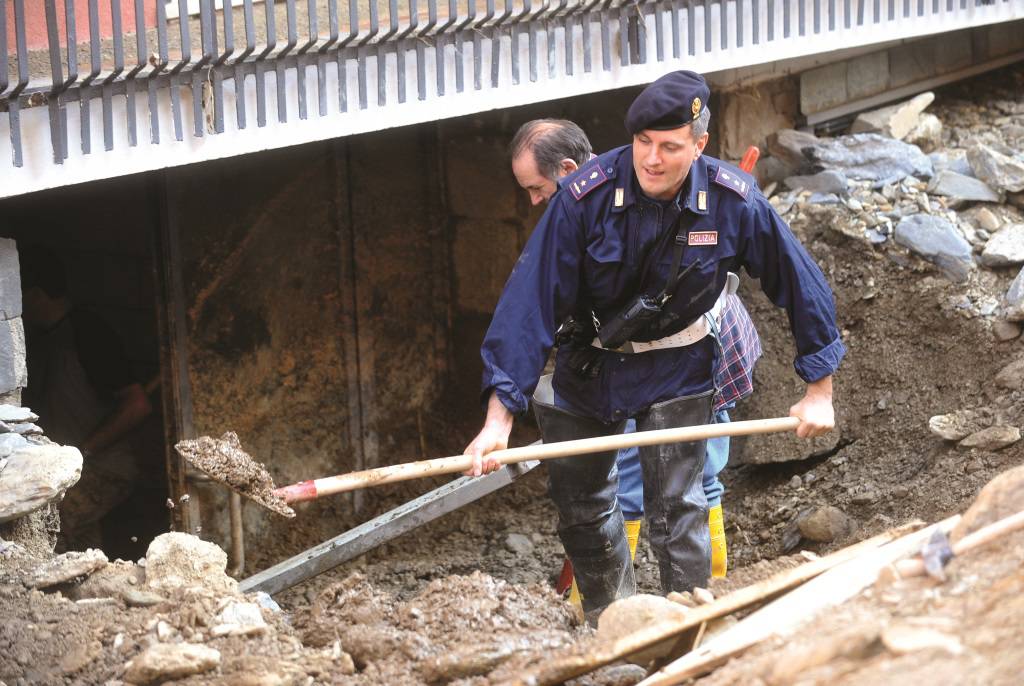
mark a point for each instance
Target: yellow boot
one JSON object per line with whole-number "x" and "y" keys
{"x": 632, "y": 537}
{"x": 719, "y": 551}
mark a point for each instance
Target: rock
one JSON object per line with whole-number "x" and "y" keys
{"x": 905, "y": 638}
{"x": 992, "y": 439}
{"x": 1005, "y": 331}
{"x": 629, "y": 615}
{"x": 239, "y": 619}
{"x": 23, "y": 428}
{"x": 619, "y": 675}
{"x": 1011, "y": 376}
{"x": 1000, "y": 169}
{"x": 953, "y": 162}
{"x": 703, "y": 596}
{"x": 825, "y": 524}
{"x": 15, "y": 414}
{"x": 895, "y": 121}
{"x": 134, "y": 597}
{"x": 871, "y": 157}
{"x": 519, "y": 544}
{"x": 790, "y": 147}
{"x": 35, "y": 476}
{"x": 771, "y": 170}
{"x": 179, "y": 560}
{"x": 823, "y": 182}
{"x": 67, "y": 567}
{"x": 1001, "y": 497}
{"x": 167, "y": 662}
{"x": 957, "y": 425}
{"x": 938, "y": 241}
{"x": 11, "y": 442}
{"x": 1013, "y": 301}
{"x": 927, "y": 135}
{"x": 960, "y": 188}
{"x": 823, "y": 199}
{"x": 80, "y": 655}
{"x": 986, "y": 219}
{"x": 1005, "y": 248}
{"x": 115, "y": 580}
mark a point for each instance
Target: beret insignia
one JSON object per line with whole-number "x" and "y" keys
{"x": 695, "y": 107}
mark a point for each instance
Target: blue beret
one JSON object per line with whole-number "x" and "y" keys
{"x": 673, "y": 101}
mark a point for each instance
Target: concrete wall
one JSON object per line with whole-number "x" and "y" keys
{"x": 13, "y": 376}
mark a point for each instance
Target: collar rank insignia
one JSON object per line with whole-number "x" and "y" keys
{"x": 702, "y": 238}
{"x": 733, "y": 182}
{"x": 586, "y": 180}
{"x": 702, "y": 201}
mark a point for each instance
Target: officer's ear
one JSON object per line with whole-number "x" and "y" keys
{"x": 702, "y": 142}
{"x": 566, "y": 167}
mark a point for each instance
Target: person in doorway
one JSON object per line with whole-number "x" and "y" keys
{"x": 543, "y": 152}
{"x": 641, "y": 247}
{"x": 81, "y": 385}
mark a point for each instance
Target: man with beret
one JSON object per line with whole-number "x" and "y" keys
{"x": 641, "y": 251}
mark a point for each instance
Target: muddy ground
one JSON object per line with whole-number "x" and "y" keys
{"x": 457, "y": 597}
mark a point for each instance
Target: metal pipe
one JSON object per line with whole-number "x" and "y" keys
{"x": 237, "y": 535}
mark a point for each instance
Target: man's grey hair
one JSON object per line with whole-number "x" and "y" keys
{"x": 701, "y": 123}
{"x": 551, "y": 141}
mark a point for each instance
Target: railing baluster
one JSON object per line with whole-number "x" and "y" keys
{"x": 677, "y": 47}
{"x": 13, "y": 106}
{"x": 151, "y": 82}
{"x": 755, "y": 21}
{"x": 771, "y": 19}
{"x": 723, "y": 22}
{"x": 270, "y": 23}
{"x": 249, "y": 20}
{"x": 421, "y": 50}
{"x": 71, "y": 33}
{"x": 787, "y": 17}
{"x": 496, "y": 43}
{"x": 691, "y": 27}
{"x": 738, "y": 9}
{"x": 58, "y": 123}
{"x": 279, "y": 65}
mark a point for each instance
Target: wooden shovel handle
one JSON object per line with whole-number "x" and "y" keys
{"x": 309, "y": 490}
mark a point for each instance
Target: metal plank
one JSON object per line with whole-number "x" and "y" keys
{"x": 380, "y": 530}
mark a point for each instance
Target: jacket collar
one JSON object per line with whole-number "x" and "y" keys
{"x": 618, "y": 164}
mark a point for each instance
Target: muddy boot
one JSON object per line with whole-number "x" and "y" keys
{"x": 674, "y": 501}
{"x": 590, "y": 523}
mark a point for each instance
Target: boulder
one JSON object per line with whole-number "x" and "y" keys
{"x": 1013, "y": 301}
{"x": 1005, "y": 248}
{"x": 1001, "y": 497}
{"x": 871, "y": 157}
{"x": 959, "y": 188}
{"x": 167, "y": 662}
{"x": 67, "y": 567}
{"x": 790, "y": 147}
{"x": 180, "y": 560}
{"x": 829, "y": 181}
{"x": 938, "y": 241}
{"x": 895, "y": 121}
{"x": 999, "y": 168}
{"x": 35, "y": 476}
{"x": 1011, "y": 376}
{"x": 10, "y": 443}
{"x": 629, "y": 615}
{"x": 993, "y": 438}
{"x": 825, "y": 524}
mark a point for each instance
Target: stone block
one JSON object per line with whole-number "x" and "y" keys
{"x": 484, "y": 254}
{"x": 954, "y": 51}
{"x": 823, "y": 88}
{"x": 10, "y": 280}
{"x": 867, "y": 75}
{"x": 479, "y": 178}
{"x": 910, "y": 63}
{"x": 749, "y": 115}
{"x": 13, "y": 373}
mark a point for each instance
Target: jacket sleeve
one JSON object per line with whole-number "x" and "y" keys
{"x": 539, "y": 294}
{"x": 792, "y": 280}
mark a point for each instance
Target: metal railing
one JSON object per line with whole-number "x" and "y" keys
{"x": 383, "y": 48}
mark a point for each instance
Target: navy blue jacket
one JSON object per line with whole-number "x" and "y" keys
{"x": 588, "y": 253}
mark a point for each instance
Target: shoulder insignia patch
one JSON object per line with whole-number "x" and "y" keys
{"x": 587, "y": 180}
{"x": 733, "y": 182}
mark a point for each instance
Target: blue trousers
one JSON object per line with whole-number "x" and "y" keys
{"x": 631, "y": 483}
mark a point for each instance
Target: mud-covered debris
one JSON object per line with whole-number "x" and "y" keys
{"x": 223, "y": 460}
{"x": 67, "y": 567}
{"x": 179, "y": 560}
{"x": 167, "y": 662}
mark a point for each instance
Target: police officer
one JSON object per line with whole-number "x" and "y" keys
{"x": 654, "y": 228}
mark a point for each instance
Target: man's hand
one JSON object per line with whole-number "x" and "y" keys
{"x": 494, "y": 436}
{"x": 815, "y": 410}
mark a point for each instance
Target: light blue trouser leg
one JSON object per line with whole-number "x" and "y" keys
{"x": 631, "y": 484}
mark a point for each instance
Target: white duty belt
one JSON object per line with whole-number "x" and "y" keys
{"x": 691, "y": 334}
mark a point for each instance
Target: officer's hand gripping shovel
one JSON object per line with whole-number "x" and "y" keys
{"x": 224, "y": 461}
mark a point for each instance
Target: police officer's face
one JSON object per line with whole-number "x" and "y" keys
{"x": 662, "y": 159}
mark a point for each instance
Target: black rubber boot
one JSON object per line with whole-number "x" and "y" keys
{"x": 590, "y": 523}
{"x": 674, "y": 502}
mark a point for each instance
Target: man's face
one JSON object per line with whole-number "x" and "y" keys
{"x": 540, "y": 188}
{"x": 662, "y": 159}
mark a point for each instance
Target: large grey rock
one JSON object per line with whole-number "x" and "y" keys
{"x": 168, "y": 662}
{"x": 895, "y": 121}
{"x": 1005, "y": 248}
{"x": 67, "y": 567}
{"x": 1000, "y": 168}
{"x": 960, "y": 188}
{"x": 938, "y": 241}
{"x": 35, "y": 476}
{"x": 15, "y": 413}
{"x": 179, "y": 560}
{"x": 829, "y": 181}
{"x": 993, "y": 438}
{"x": 11, "y": 442}
{"x": 10, "y": 280}
{"x": 13, "y": 373}
{"x": 1013, "y": 301}
{"x": 871, "y": 157}
{"x": 953, "y": 161}
{"x": 791, "y": 147}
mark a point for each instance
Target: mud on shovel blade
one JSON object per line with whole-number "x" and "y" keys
{"x": 223, "y": 460}
{"x": 310, "y": 490}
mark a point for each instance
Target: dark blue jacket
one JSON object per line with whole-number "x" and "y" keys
{"x": 601, "y": 242}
